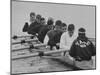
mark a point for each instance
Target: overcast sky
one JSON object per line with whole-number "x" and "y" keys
{"x": 80, "y": 16}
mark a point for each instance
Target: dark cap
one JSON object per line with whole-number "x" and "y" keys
{"x": 71, "y": 27}
{"x": 81, "y": 30}
{"x": 32, "y": 13}
{"x": 58, "y": 23}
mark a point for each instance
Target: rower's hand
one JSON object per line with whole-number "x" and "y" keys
{"x": 47, "y": 47}
{"x": 36, "y": 34}
{"x": 71, "y": 58}
{"x": 58, "y": 44}
{"x": 54, "y": 48}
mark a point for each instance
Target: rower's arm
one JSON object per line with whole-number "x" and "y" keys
{"x": 63, "y": 42}
{"x": 46, "y": 39}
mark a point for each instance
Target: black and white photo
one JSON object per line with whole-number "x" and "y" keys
{"x": 52, "y": 37}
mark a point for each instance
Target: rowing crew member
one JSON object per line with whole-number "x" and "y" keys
{"x": 52, "y": 37}
{"x": 35, "y": 27}
{"x": 32, "y": 20}
{"x": 67, "y": 38}
{"x": 43, "y": 31}
{"x": 82, "y": 51}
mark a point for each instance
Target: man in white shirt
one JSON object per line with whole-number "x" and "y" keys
{"x": 67, "y": 38}
{"x": 53, "y": 36}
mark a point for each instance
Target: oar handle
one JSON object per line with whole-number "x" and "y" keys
{"x": 24, "y": 41}
{"x": 16, "y": 37}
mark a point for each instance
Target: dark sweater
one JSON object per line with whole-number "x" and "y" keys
{"x": 82, "y": 48}
{"x": 25, "y": 28}
{"x": 54, "y": 37}
{"x": 34, "y": 28}
{"x": 43, "y": 31}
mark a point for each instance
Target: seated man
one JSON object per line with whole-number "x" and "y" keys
{"x": 43, "y": 21}
{"x": 82, "y": 51}
{"x": 32, "y": 20}
{"x": 64, "y": 27}
{"x": 53, "y": 36}
{"x": 43, "y": 31}
{"x": 32, "y": 17}
{"x": 35, "y": 26}
{"x": 67, "y": 38}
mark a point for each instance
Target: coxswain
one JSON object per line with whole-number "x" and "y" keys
{"x": 83, "y": 51}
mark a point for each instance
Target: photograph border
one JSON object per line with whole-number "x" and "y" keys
{"x": 50, "y": 3}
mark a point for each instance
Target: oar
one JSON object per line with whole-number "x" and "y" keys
{"x": 43, "y": 54}
{"x": 16, "y": 37}
{"x": 29, "y": 47}
{"x": 24, "y": 41}
{"x": 40, "y": 53}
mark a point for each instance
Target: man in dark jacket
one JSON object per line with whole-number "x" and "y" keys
{"x": 43, "y": 31}
{"x": 35, "y": 26}
{"x": 82, "y": 50}
{"x": 32, "y": 20}
{"x": 53, "y": 36}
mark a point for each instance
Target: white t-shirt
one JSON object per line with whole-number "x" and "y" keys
{"x": 66, "y": 41}
{"x": 46, "y": 39}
